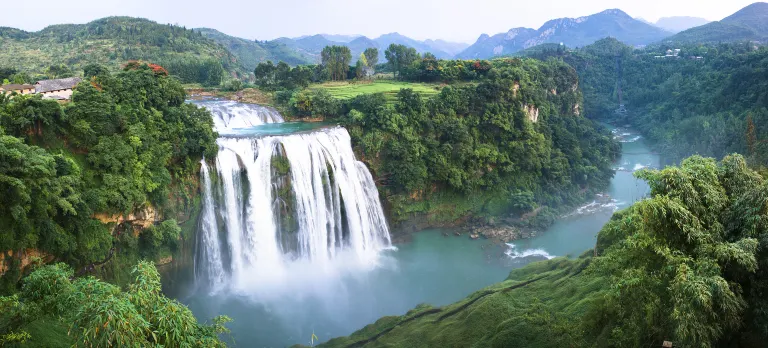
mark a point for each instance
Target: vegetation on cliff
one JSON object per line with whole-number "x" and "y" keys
{"x": 503, "y": 137}
{"x": 683, "y": 265}
{"x": 73, "y": 174}
{"x": 712, "y": 105}
{"x": 510, "y": 143}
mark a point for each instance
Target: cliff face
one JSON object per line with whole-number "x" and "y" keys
{"x": 182, "y": 205}
{"x": 22, "y": 259}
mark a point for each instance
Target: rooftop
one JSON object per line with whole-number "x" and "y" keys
{"x": 44, "y": 86}
{"x": 15, "y": 87}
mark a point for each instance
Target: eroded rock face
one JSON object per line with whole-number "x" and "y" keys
{"x": 140, "y": 219}
{"x": 532, "y": 111}
{"x": 26, "y": 257}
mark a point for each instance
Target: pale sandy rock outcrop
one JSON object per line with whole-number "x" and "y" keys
{"x": 140, "y": 219}
{"x": 532, "y": 111}
{"x": 26, "y": 257}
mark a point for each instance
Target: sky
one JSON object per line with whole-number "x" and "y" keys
{"x": 453, "y": 20}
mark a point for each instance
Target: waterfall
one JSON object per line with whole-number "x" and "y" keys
{"x": 211, "y": 250}
{"x": 288, "y": 200}
{"x": 228, "y": 115}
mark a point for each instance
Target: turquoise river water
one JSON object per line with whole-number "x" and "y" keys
{"x": 432, "y": 268}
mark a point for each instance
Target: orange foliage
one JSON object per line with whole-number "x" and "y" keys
{"x": 136, "y": 64}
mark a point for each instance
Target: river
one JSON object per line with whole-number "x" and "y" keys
{"x": 341, "y": 297}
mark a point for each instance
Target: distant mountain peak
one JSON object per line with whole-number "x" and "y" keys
{"x": 750, "y": 23}
{"x": 573, "y": 32}
{"x": 614, "y": 12}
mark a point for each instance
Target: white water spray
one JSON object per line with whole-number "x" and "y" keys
{"x": 229, "y": 115}
{"x": 210, "y": 237}
{"x": 328, "y": 198}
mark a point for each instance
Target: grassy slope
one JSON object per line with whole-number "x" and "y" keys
{"x": 347, "y": 90}
{"x": 527, "y": 309}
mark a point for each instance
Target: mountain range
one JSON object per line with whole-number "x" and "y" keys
{"x": 311, "y": 46}
{"x": 114, "y": 40}
{"x": 572, "y": 32}
{"x": 679, "y": 23}
{"x": 749, "y": 23}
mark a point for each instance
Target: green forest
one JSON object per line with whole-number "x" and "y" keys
{"x": 72, "y": 176}
{"x": 113, "y": 42}
{"x": 98, "y": 192}
{"x": 505, "y": 138}
{"x": 713, "y": 105}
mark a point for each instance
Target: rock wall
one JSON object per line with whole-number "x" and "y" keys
{"x": 25, "y": 257}
{"x": 532, "y": 111}
{"x": 139, "y": 219}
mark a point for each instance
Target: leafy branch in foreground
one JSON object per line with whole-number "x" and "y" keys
{"x": 101, "y": 314}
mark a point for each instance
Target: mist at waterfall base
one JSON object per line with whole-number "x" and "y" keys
{"x": 286, "y": 298}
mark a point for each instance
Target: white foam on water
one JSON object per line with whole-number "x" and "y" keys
{"x": 230, "y": 115}
{"x": 513, "y": 253}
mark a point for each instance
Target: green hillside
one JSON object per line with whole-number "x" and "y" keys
{"x": 682, "y": 265}
{"x": 112, "y": 42}
{"x": 250, "y": 53}
{"x": 749, "y": 23}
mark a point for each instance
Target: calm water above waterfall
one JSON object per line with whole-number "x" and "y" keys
{"x": 292, "y": 239}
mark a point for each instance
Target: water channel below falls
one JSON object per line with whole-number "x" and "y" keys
{"x": 343, "y": 296}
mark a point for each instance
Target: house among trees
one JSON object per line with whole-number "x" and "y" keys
{"x": 59, "y": 89}
{"x": 19, "y": 89}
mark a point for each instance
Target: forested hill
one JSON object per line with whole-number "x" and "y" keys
{"x": 250, "y": 53}
{"x": 749, "y": 23}
{"x": 711, "y": 105}
{"x": 572, "y": 32}
{"x": 114, "y": 41}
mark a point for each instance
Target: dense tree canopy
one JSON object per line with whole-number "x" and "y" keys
{"x": 100, "y": 314}
{"x": 271, "y": 77}
{"x": 399, "y": 57}
{"x": 710, "y": 99}
{"x": 125, "y": 141}
{"x": 482, "y": 140}
{"x": 336, "y": 60}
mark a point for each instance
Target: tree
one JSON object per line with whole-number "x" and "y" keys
{"x": 283, "y": 77}
{"x": 371, "y": 57}
{"x": 362, "y": 67}
{"x": 336, "y": 60}
{"x": 669, "y": 257}
{"x": 59, "y": 71}
{"x": 400, "y": 57}
{"x": 94, "y": 69}
{"x": 100, "y": 314}
{"x": 265, "y": 75}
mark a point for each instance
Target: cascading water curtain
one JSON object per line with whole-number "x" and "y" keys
{"x": 333, "y": 204}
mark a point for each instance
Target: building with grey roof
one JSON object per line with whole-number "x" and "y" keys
{"x": 59, "y": 88}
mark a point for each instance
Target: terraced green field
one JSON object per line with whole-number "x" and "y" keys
{"x": 348, "y": 90}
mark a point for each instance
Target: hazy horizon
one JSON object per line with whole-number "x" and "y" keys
{"x": 448, "y": 20}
